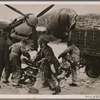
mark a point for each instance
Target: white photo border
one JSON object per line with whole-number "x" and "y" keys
{"x": 28, "y": 96}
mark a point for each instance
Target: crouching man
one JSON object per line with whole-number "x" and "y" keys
{"x": 72, "y": 55}
{"x": 16, "y": 50}
{"x": 49, "y": 64}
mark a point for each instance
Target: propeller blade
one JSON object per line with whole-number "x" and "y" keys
{"x": 45, "y": 10}
{"x": 14, "y": 9}
{"x": 34, "y": 37}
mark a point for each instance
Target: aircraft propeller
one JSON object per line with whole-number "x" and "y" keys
{"x": 31, "y": 20}
{"x": 40, "y": 14}
{"x": 45, "y": 10}
{"x": 16, "y": 10}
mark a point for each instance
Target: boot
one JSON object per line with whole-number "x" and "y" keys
{"x": 73, "y": 84}
{"x": 5, "y": 81}
{"x": 57, "y": 90}
{"x": 45, "y": 84}
{"x": 17, "y": 85}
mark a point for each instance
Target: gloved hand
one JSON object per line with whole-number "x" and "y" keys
{"x": 59, "y": 56}
{"x": 62, "y": 55}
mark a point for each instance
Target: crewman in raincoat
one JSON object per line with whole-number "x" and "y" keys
{"x": 49, "y": 63}
{"x": 17, "y": 50}
{"x": 72, "y": 55}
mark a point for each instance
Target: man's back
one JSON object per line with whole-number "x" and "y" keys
{"x": 4, "y": 51}
{"x": 49, "y": 54}
{"x": 16, "y": 48}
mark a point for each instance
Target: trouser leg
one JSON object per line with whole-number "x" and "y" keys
{"x": 32, "y": 81}
{"x": 17, "y": 76}
{"x": 17, "y": 72}
{"x": 74, "y": 73}
{"x": 73, "y": 68}
{"x": 6, "y": 75}
{"x": 1, "y": 70}
{"x": 57, "y": 84}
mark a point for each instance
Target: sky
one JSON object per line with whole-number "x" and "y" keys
{"x": 36, "y": 7}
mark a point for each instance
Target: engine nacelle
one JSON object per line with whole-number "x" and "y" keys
{"x": 26, "y": 27}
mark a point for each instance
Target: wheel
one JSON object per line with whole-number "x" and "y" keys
{"x": 92, "y": 71}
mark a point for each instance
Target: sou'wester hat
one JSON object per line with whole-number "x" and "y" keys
{"x": 42, "y": 39}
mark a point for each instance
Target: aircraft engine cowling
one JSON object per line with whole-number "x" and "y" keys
{"x": 59, "y": 21}
{"x": 32, "y": 20}
{"x": 25, "y": 28}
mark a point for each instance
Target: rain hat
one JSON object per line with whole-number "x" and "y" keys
{"x": 42, "y": 39}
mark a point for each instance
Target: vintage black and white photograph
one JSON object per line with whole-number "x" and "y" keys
{"x": 50, "y": 48}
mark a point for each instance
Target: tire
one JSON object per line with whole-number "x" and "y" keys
{"x": 92, "y": 71}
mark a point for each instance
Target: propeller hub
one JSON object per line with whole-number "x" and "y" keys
{"x": 32, "y": 20}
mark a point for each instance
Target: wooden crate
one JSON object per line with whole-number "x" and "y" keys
{"x": 88, "y": 41}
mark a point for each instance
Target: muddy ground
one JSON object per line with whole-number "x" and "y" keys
{"x": 85, "y": 86}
